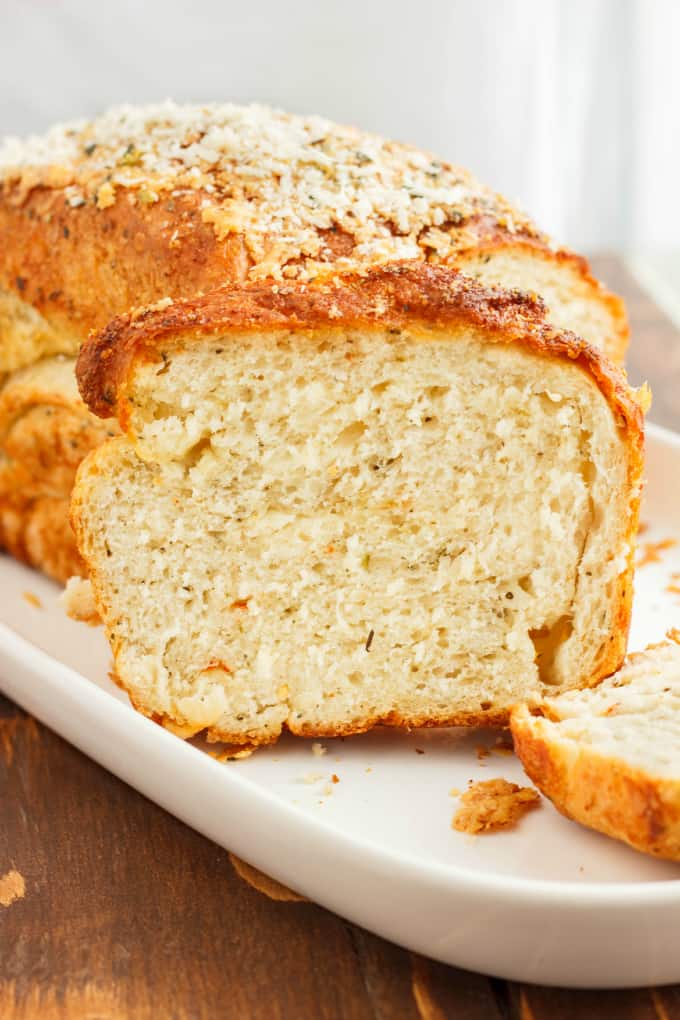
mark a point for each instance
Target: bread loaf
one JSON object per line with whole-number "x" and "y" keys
{"x": 45, "y": 431}
{"x": 609, "y": 758}
{"x": 142, "y": 204}
{"x": 397, "y": 497}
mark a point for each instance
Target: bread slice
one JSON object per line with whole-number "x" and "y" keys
{"x": 98, "y": 217}
{"x": 610, "y": 758}
{"x": 45, "y": 431}
{"x": 394, "y": 498}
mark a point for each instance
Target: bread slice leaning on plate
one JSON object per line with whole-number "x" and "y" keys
{"x": 610, "y": 758}
{"x": 45, "y": 431}
{"x": 143, "y": 203}
{"x": 395, "y": 498}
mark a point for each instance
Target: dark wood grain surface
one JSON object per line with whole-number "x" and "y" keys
{"x": 112, "y": 909}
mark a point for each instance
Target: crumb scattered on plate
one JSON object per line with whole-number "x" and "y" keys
{"x": 77, "y": 598}
{"x": 492, "y": 805}
{"x": 335, "y": 779}
{"x": 651, "y": 551}
{"x": 32, "y": 599}
{"x": 318, "y": 750}
{"x": 454, "y": 792}
{"x": 232, "y": 753}
{"x": 419, "y": 750}
{"x": 312, "y": 777}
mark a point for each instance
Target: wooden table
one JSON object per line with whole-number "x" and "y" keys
{"x": 113, "y": 909}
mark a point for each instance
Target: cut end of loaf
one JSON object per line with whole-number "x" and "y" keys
{"x": 327, "y": 529}
{"x": 608, "y": 758}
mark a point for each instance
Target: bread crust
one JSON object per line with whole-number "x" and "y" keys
{"x": 45, "y": 431}
{"x": 603, "y": 793}
{"x": 396, "y": 296}
{"x": 94, "y": 230}
{"x": 423, "y": 298}
{"x": 79, "y": 268}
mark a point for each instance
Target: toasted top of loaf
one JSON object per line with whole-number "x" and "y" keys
{"x": 390, "y": 297}
{"x": 280, "y": 182}
{"x": 100, "y": 216}
{"x": 610, "y": 757}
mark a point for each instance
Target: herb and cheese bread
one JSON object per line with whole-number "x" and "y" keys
{"x": 397, "y": 497}
{"x": 98, "y": 217}
{"x": 610, "y": 758}
{"x": 45, "y": 431}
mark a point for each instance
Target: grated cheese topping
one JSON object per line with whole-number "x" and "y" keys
{"x": 286, "y": 184}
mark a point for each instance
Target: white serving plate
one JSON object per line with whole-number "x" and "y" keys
{"x": 548, "y": 902}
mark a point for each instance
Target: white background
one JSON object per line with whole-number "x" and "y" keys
{"x": 571, "y": 107}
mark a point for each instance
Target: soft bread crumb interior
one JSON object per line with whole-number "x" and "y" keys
{"x": 333, "y": 529}
{"x": 634, "y": 715}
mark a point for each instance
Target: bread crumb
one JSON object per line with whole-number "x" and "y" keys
{"x": 492, "y": 805}
{"x": 32, "y": 600}
{"x": 419, "y": 750}
{"x": 232, "y": 753}
{"x": 263, "y": 883}
{"x": 651, "y": 551}
{"x": 311, "y": 777}
{"x": 12, "y": 887}
{"x": 482, "y": 752}
{"x": 504, "y": 745}
{"x": 335, "y": 779}
{"x": 454, "y": 792}
{"x": 106, "y": 196}
{"x": 318, "y": 750}
{"x": 369, "y": 770}
{"x": 77, "y": 600}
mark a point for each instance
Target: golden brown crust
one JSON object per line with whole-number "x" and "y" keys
{"x": 79, "y": 267}
{"x": 45, "y": 432}
{"x": 495, "y": 243}
{"x": 602, "y": 793}
{"x": 104, "y": 226}
{"x": 396, "y": 296}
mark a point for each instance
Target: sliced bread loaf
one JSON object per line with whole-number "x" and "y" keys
{"x": 144, "y": 203}
{"x": 394, "y": 498}
{"x": 610, "y": 757}
{"x": 45, "y": 431}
